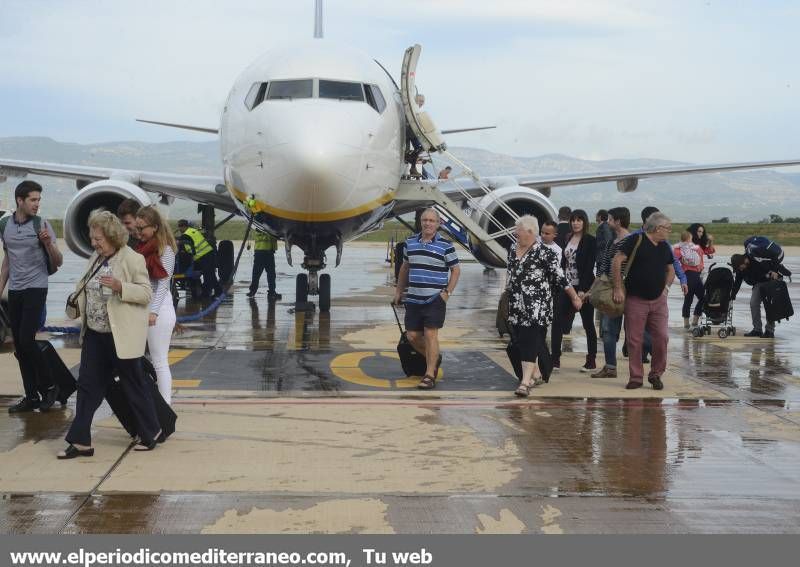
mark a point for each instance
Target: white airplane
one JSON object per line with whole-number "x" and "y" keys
{"x": 313, "y": 140}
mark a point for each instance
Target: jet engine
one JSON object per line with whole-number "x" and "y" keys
{"x": 521, "y": 200}
{"x": 106, "y": 195}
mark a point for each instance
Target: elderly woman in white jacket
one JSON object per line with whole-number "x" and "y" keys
{"x": 114, "y": 310}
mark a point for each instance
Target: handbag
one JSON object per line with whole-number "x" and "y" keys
{"x": 601, "y": 294}
{"x": 501, "y": 319}
{"x": 73, "y": 308}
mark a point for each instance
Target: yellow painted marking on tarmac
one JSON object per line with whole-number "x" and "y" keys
{"x": 186, "y": 383}
{"x": 508, "y": 523}
{"x": 178, "y": 354}
{"x": 549, "y": 516}
{"x": 347, "y": 366}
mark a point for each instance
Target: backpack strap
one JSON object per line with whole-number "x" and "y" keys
{"x": 3, "y": 224}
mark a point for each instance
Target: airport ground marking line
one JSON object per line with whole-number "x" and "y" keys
{"x": 185, "y": 383}
{"x": 542, "y": 403}
{"x": 94, "y": 490}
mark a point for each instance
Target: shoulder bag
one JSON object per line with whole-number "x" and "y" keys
{"x": 601, "y": 294}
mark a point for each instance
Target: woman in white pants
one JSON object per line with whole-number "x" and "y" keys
{"x": 157, "y": 245}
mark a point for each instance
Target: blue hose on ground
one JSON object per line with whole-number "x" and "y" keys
{"x": 65, "y": 330}
{"x": 202, "y": 313}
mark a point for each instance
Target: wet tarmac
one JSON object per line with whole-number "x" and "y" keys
{"x": 300, "y": 422}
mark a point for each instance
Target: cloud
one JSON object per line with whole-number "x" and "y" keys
{"x": 681, "y": 80}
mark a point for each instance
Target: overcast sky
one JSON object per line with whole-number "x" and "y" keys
{"x": 696, "y": 81}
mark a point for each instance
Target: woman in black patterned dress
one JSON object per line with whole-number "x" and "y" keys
{"x": 534, "y": 271}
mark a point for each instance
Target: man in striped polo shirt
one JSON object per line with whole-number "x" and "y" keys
{"x": 430, "y": 271}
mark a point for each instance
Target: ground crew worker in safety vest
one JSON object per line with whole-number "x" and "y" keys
{"x": 205, "y": 258}
{"x": 264, "y": 259}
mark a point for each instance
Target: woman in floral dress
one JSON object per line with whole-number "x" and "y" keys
{"x": 534, "y": 271}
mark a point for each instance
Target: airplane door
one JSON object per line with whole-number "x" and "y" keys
{"x": 417, "y": 119}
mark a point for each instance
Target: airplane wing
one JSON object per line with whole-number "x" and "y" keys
{"x": 207, "y": 190}
{"x": 627, "y": 179}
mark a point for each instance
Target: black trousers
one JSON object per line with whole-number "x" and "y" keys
{"x": 530, "y": 341}
{"x": 208, "y": 266}
{"x": 696, "y": 289}
{"x": 565, "y": 310}
{"x": 25, "y": 314}
{"x": 98, "y": 361}
{"x": 263, "y": 260}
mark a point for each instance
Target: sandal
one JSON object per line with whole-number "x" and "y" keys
{"x": 524, "y": 390}
{"x": 427, "y": 383}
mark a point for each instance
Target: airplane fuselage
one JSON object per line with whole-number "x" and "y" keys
{"x": 312, "y": 139}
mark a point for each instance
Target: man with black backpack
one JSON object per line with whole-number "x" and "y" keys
{"x": 31, "y": 255}
{"x": 758, "y": 266}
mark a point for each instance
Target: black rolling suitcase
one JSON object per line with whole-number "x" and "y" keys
{"x": 514, "y": 358}
{"x": 543, "y": 358}
{"x": 777, "y": 302}
{"x": 413, "y": 363}
{"x": 122, "y": 409}
{"x": 62, "y": 377}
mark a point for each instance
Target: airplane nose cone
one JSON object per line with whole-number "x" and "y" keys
{"x": 317, "y": 163}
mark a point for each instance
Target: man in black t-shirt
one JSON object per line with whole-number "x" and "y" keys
{"x": 645, "y": 289}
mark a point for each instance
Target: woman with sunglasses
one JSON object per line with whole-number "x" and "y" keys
{"x": 157, "y": 245}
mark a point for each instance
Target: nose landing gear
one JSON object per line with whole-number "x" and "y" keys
{"x": 313, "y": 284}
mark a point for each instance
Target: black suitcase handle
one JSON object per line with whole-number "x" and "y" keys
{"x": 396, "y": 318}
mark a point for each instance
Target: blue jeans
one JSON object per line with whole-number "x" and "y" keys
{"x": 611, "y": 328}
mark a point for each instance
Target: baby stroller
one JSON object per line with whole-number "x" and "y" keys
{"x": 717, "y": 304}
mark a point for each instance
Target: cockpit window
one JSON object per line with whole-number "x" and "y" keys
{"x": 340, "y": 90}
{"x": 256, "y": 95}
{"x": 291, "y": 89}
{"x": 375, "y": 98}
{"x": 315, "y": 88}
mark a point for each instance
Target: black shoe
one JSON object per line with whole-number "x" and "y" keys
{"x": 48, "y": 399}
{"x": 754, "y": 333}
{"x": 161, "y": 437}
{"x": 633, "y": 385}
{"x": 72, "y": 451}
{"x": 274, "y": 296}
{"x": 655, "y": 380}
{"x": 24, "y": 405}
{"x": 645, "y": 360}
{"x": 625, "y": 350}
{"x": 768, "y": 335}
{"x": 251, "y": 293}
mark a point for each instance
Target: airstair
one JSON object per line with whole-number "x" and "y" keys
{"x": 478, "y": 204}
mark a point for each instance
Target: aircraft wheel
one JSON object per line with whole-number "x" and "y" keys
{"x": 225, "y": 261}
{"x": 723, "y": 333}
{"x": 301, "y": 288}
{"x": 325, "y": 292}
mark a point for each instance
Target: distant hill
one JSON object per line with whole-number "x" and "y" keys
{"x": 745, "y": 196}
